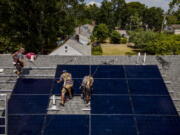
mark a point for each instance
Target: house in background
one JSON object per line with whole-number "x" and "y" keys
{"x": 175, "y": 29}
{"x": 74, "y": 47}
{"x": 123, "y": 33}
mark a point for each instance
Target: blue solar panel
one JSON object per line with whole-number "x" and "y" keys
{"x": 32, "y": 86}
{"x": 58, "y": 86}
{"x": 110, "y": 105}
{"x": 2, "y": 130}
{"x": 147, "y": 87}
{"x": 2, "y": 121}
{"x": 149, "y": 71}
{"x": 158, "y": 125}
{"x": 27, "y": 104}
{"x": 25, "y": 124}
{"x": 107, "y": 71}
{"x": 153, "y": 105}
{"x": 126, "y": 100}
{"x": 77, "y": 71}
{"x": 110, "y": 86}
{"x": 112, "y": 125}
{"x": 67, "y": 125}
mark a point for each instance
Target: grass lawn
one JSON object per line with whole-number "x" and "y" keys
{"x": 117, "y": 49}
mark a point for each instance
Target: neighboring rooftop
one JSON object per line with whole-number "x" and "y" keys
{"x": 74, "y": 47}
{"x": 176, "y": 26}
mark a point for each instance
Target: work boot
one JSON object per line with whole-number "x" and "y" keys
{"x": 88, "y": 104}
{"x": 70, "y": 97}
{"x": 62, "y": 104}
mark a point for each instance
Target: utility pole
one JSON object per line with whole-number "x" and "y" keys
{"x": 163, "y": 22}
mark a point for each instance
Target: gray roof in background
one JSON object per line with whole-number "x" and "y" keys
{"x": 82, "y": 48}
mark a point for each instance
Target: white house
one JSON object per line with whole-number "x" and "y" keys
{"x": 175, "y": 29}
{"x": 72, "y": 47}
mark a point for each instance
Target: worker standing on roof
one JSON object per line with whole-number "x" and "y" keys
{"x": 86, "y": 88}
{"x": 67, "y": 86}
{"x": 18, "y": 60}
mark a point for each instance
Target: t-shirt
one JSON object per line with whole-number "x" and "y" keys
{"x": 67, "y": 78}
{"x": 87, "y": 81}
{"x": 18, "y": 56}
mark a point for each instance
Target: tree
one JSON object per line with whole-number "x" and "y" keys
{"x": 174, "y": 12}
{"x": 156, "y": 43}
{"x": 92, "y": 12}
{"x": 172, "y": 19}
{"x": 140, "y": 38}
{"x": 115, "y": 37}
{"x": 135, "y": 21}
{"x": 118, "y": 9}
{"x": 106, "y": 14}
{"x": 101, "y": 32}
{"x": 36, "y": 24}
{"x": 174, "y": 3}
{"x": 153, "y": 17}
{"x": 134, "y": 15}
{"x": 136, "y": 8}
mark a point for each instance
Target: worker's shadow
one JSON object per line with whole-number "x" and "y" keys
{"x": 26, "y": 71}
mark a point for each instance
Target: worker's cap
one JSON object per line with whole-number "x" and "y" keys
{"x": 64, "y": 71}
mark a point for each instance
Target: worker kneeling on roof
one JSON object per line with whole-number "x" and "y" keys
{"x": 67, "y": 86}
{"x": 86, "y": 88}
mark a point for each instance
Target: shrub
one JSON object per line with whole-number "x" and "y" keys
{"x": 156, "y": 43}
{"x": 123, "y": 40}
{"x": 96, "y": 50}
{"x": 115, "y": 37}
{"x": 140, "y": 38}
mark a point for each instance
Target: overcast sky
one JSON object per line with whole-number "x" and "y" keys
{"x": 157, "y": 3}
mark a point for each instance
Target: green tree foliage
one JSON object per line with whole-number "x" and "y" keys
{"x": 97, "y": 50}
{"x": 106, "y": 14}
{"x": 174, "y": 12}
{"x": 136, "y": 8}
{"x": 174, "y": 4}
{"x": 140, "y": 38}
{"x": 153, "y": 17}
{"x": 36, "y": 24}
{"x": 118, "y": 9}
{"x": 134, "y": 14}
{"x": 101, "y": 32}
{"x": 172, "y": 19}
{"x": 156, "y": 43}
{"x": 115, "y": 37}
{"x": 123, "y": 40}
{"x": 135, "y": 22}
{"x": 92, "y": 12}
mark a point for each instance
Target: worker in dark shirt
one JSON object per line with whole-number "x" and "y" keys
{"x": 18, "y": 60}
{"x": 86, "y": 88}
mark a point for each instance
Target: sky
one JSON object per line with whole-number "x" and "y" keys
{"x": 157, "y": 3}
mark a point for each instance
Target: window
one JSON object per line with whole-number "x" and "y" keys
{"x": 66, "y": 49}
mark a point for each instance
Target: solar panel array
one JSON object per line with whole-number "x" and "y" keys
{"x": 126, "y": 100}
